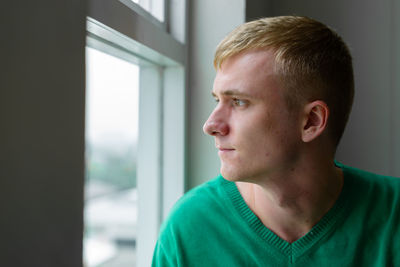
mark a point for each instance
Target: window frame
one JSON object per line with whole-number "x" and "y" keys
{"x": 147, "y": 15}
{"x": 129, "y": 32}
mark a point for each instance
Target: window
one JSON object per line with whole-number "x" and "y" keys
{"x": 117, "y": 31}
{"x": 112, "y": 94}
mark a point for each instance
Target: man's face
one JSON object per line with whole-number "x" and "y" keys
{"x": 256, "y": 135}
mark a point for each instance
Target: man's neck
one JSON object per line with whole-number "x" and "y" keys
{"x": 290, "y": 206}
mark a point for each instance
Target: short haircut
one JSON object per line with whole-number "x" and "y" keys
{"x": 311, "y": 60}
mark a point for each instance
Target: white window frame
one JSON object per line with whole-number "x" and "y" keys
{"x": 124, "y": 29}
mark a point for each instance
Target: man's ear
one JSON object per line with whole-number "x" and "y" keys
{"x": 315, "y": 120}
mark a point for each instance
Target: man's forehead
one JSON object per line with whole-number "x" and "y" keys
{"x": 246, "y": 74}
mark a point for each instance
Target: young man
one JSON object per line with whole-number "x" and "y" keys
{"x": 284, "y": 89}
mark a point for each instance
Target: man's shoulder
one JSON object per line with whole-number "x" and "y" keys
{"x": 363, "y": 176}
{"x": 382, "y": 189}
{"x": 372, "y": 214}
{"x": 208, "y": 192}
{"x": 198, "y": 204}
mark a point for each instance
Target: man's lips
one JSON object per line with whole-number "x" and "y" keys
{"x": 225, "y": 149}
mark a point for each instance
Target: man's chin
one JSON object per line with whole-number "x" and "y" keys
{"x": 237, "y": 175}
{"x": 230, "y": 175}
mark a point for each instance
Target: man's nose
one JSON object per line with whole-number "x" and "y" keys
{"x": 216, "y": 124}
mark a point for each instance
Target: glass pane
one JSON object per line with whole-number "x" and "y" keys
{"x": 154, "y": 7}
{"x": 111, "y": 151}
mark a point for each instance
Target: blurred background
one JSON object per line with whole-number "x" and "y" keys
{"x": 102, "y": 105}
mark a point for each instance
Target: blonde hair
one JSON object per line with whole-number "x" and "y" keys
{"x": 311, "y": 60}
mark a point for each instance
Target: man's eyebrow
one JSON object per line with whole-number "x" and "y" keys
{"x": 233, "y": 93}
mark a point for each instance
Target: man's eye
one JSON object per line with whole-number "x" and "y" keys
{"x": 216, "y": 100}
{"x": 239, "y": 102}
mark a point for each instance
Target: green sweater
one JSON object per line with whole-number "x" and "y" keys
{"x": 212, "y": 226}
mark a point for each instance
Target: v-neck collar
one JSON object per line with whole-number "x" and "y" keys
{"x": 303, "y": 244}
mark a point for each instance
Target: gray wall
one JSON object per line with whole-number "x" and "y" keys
{"x": 42, "y": 87}
{"x": 372, "y": 31}
{"x": 210, "y": 21}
